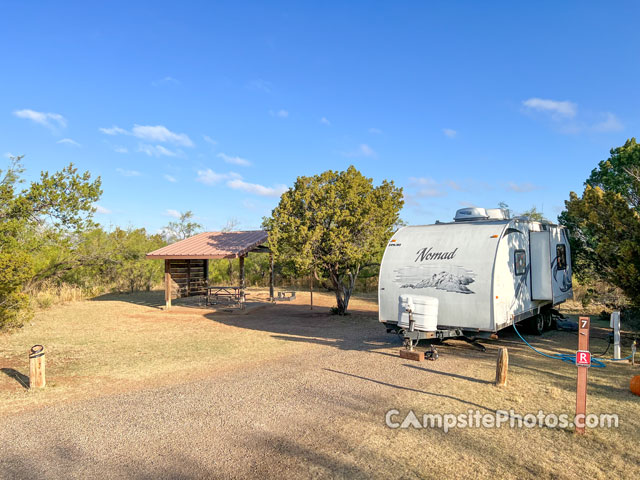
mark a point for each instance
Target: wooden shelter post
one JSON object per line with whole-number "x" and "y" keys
{"x": 242, "y": 282}
{"x": 271, "y": 281}
{"x": 167, "y": 284}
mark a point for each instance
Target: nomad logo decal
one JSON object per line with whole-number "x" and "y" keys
{"x": 427, "y": 253}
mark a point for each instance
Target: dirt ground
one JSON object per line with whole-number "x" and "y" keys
{"x": 136, "y": 392}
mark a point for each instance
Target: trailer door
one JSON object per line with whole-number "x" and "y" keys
{"x": 539, "y": 243}
{"x": 560, "y": 265}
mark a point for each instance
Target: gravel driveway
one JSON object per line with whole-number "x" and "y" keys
{"x": 315, "y": 414}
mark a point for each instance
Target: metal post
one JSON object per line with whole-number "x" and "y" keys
{"x": 615, "y": 324}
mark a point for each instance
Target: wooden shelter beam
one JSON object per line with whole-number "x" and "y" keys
{"x": 167, "y": 284}
{"x": 271, "y": 278}
{"x": 242, "y": 282}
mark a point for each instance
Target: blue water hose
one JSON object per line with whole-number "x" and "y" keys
{"x": 565, "y": 357}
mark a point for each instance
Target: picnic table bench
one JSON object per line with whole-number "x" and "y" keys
{"x": 234, "y": 295}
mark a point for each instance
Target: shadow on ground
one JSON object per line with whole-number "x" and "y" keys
{"x": 17, "y": 376}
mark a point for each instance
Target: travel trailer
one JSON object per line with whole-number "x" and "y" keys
{"x": 474, "y": 276}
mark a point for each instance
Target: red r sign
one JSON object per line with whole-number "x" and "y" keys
{"x": 583, "y": 358}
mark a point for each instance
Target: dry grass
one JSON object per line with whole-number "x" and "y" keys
{"x": 121, "y": 341}
{"x": 345, "y": 366}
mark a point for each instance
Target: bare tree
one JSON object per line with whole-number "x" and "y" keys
{"x": 182, "y": 228}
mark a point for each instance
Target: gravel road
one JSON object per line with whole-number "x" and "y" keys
{"x": 315, "y": 414}
{"x": 292, "y": 416}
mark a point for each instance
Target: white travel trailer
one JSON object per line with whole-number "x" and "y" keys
{"x": 474, "y": 276}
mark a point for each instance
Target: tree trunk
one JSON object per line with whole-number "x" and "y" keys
{"x": 343, "y": 292}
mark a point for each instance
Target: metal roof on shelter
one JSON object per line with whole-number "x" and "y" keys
{"x": 212, "y": 245}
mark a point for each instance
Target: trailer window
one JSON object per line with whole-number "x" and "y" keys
{"x": 521, "y": 262}
{"x": 561, "y": 256}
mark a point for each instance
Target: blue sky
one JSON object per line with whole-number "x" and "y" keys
{"x": 218, "y": 107}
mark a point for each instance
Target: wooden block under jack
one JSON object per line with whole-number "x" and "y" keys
{"x": 412, "y": 355}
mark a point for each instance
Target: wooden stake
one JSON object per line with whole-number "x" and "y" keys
{"x": 311, "y": 290}
{"x": 502, "y": 367}
{"x": 581, "y": 393}
{"x": 36, "y": 367}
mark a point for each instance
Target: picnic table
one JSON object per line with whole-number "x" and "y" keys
{"x": 286, "y": 295}
{"x": 233, "y": 295}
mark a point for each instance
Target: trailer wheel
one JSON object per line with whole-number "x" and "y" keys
{"x": 537, "y": 324}
{"x": 548, "y": 319}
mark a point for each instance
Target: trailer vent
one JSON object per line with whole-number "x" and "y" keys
{"x": 498, "y": 213}
{"x": 471, "y": 214}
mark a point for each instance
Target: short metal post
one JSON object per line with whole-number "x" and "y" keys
{"x": 615, "y": 324}
{"x": 411, "y": 328}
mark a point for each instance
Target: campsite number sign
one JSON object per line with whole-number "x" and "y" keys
{"x": 583, "y": 361}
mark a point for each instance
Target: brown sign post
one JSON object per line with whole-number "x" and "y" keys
{"x": 583, "y": 361}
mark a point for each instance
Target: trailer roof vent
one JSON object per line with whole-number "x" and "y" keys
{"x": 471, "y": 214}
{"x": 498, "y": 213}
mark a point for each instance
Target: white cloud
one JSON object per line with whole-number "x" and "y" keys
{"x": 209, "y": 140}
{"x": 172, "y": 213}
{"x": 422, "y": 181}
{"x": 165, "y": 81}
{"x": 156, "y": 150}
{"x": 160, "y": 133}
{"x": 522, "y": 187}
{"x": 209, "y": 177}
{"x": 363, "y": 150}
{"x": 102, "y": 210}
{"x": 453, "y": 185}
{"x": 449, "y": 132}
{"x": 120, "y": 149}
{"x": 259, "y": 84}
{"x": 69, "y": 141}
{"x": 114, "y": 131}
{"x": 367, "y": 151}
{"x": 234, "y": 160}
{"x": 280, "y": 113}
{"x": 557, "y": 109}
{"x": 151, "y": 133}
{"x": 257, "y": 189}
{"x": 49, "y": 120}
{"x": 248, "y": 204}
{"x": 170, "y": 178}
{"x": 128, "y": 173}
{"x": 611, "y": 123}
{"x": 325, "y": 121}
{"x": 425, "y": 187}
{"x": 375, "y": 131}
